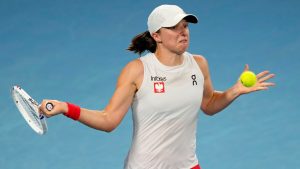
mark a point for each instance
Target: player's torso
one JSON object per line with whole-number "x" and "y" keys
{"x": 165, "y": 111}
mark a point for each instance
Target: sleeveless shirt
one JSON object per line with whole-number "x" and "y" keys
{"x": 165, "y": 113}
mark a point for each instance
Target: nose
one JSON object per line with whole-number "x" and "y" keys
{"x": 184, "y": 31}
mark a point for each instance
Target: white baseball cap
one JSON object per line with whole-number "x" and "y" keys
{"x": 167, "y": 16}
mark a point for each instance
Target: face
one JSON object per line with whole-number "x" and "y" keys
{"x": 175, "y": 39}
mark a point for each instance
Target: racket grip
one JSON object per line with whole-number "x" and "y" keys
{"x": 49, "y": 106}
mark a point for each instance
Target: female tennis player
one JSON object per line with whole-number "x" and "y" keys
{"x": 165, "y": 89}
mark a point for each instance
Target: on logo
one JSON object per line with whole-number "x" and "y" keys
{"x": 194, "y": 79}
{"x": 159, "y": 87}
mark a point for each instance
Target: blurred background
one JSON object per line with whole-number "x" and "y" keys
{"x": 74, "y": 51}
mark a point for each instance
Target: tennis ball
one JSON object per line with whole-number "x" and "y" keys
{"x": 248, "y": 78}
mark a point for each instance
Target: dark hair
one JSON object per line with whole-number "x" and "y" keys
{"x": 142, "y": 42}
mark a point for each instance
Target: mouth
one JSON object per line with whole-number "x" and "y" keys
{"x": 183, "y": 41}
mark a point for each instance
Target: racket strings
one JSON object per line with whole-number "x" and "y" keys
{"x": 26, "y": 105}
{"x": 28, "y": 108}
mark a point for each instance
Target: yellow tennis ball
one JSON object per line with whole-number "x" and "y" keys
{"x": 248, "y": 78}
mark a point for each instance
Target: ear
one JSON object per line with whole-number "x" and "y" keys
{"x": 156, "y": 37}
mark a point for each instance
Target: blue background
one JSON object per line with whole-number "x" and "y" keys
{"x": 75, "y": 50}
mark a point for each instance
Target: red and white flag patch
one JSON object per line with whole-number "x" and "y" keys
{"x": 159, "y": 87}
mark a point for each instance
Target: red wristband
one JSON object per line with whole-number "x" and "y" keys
{"x": 73, "y": 111}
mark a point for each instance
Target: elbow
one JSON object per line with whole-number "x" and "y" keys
{"x": 208, "y": 112}
{"x": 109, "y": 124}
{"x": 109, "y": 129}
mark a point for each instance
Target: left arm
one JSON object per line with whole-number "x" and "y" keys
{"x": 215, "y": 101}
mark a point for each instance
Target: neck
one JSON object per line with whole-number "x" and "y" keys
{"x": 169, "y": 58}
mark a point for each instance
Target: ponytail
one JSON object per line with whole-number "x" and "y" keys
{"x": 142, "y": 42}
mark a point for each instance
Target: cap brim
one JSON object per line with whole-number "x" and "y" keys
{"x": 191, "y": 18}
{"x": 188, "y": 17}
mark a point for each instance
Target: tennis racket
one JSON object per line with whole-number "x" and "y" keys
{"x": 28, "y": 107}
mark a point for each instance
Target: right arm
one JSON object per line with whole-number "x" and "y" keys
{"x": 109, "y": 118}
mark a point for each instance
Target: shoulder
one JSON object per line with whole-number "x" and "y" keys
{"x": 132, "y": 71}
{"x": 203, "y": 64}
{"x": 134, "y": 66}
{"x": 200, "y": 59}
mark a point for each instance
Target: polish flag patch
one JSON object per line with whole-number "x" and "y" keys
{"x": 159, "y": 87}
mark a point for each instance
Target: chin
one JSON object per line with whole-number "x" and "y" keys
{"x": 181, "y": 50}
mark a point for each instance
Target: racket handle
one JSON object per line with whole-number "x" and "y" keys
{"x": 49, "y": 106}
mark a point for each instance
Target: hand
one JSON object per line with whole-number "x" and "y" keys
{"x": 58, "y": 108}
{"x": 261, "y": 83}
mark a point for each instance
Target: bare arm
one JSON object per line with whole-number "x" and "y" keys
{"x": 109, "y": 118}
{"x": 215, "y": 101}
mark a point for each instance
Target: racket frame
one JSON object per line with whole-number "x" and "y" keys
{"x": 35, "y": 120}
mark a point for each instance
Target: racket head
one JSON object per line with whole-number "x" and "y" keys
{"x": 28, "y": 107}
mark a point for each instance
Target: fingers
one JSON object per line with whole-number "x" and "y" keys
{"x": 43, "y": 110}
{"x": 246, "y": 67}
{"x": 262, "y": 78}
{"x": 48, "y": 108}
{"x": 266, "y": 84}
{"x": 265, "y": 78}
{"x": 42, "y": 106}
{"x": 263, "y": 86}
{"x": 261, "y": 74}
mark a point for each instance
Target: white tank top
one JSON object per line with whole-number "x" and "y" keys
{"x": 165, "y": 113}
